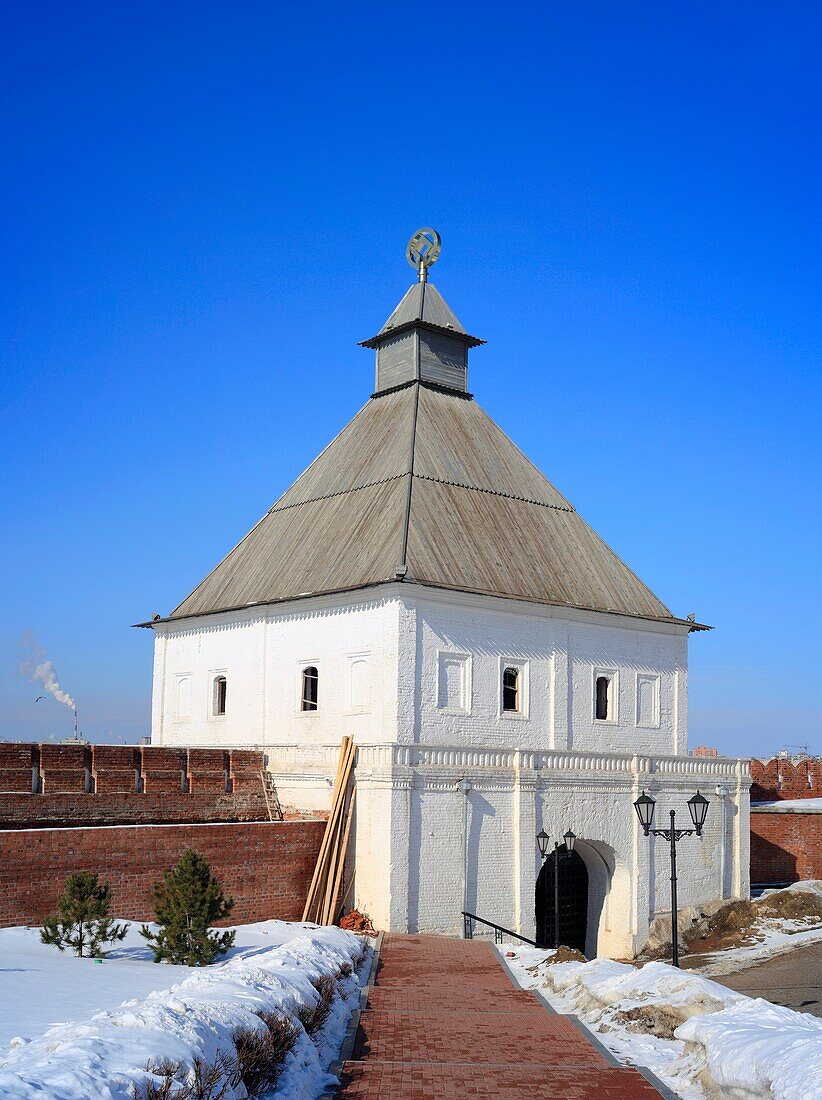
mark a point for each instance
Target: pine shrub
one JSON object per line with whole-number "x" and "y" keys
{"x": 187, "y": 902}
{"x": 82, "y": 921}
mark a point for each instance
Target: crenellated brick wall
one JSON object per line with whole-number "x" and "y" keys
{"x": 778, "y": 779}
{"x": 129, "y": 812}
{"x": 266, "y": 866}
{"x": 58, "y": 785}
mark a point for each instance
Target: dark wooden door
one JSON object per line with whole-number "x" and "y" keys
{"x": 573, "y": 900}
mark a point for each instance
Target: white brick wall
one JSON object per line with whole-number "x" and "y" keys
{"x": 562, "y": 655}
{"x": 553, "y": 766}
{"x": 262, "y": 653}
{"x": 628, "y": 874}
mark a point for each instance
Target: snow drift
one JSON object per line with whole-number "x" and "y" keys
{"x": 105, "y": 1058}
{"x": 692, "y": 1032}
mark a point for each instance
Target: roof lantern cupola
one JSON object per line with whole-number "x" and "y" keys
{"x": 422, "y": 340}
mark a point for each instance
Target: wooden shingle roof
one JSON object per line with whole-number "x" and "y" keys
{"x": 422, "y": 486}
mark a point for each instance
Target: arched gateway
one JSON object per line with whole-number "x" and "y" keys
{"x": 571, "y": 900}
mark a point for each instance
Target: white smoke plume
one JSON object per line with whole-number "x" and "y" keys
{"x": 39, "y": 668}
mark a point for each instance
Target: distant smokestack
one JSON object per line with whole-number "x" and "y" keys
{"x": 39, "y": 668}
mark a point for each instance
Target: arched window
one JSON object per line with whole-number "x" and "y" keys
{"x": 602, "y": 692}
{"x": 220, "y": 690}
{"x": 510, "y": 689}
{"x": 311, "y": 681}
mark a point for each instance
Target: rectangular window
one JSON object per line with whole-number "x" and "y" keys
{"x": 220, "y": 695}
{"x": 605, "y": 695}
{"x": 513, "y": 687}
{"x": 310, "y": 689}
{"x": 510, "y": 689}
{"x": 602, "y": 697}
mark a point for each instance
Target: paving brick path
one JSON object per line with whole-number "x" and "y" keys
{"x": 444, "y": 1020}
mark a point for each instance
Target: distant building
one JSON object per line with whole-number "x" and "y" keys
{"x": 425, "y": 589}
{"x": 703, "y": 750}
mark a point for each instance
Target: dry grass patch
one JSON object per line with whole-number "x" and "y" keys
{"x": 656, "y": 1020}
{"x": 173, "y": 1081}
{"x": 792, "y": 905}
{"x": 565, "y": 954}
{"x": 313, "y": 1019}
{"x": 261, "y": 1054}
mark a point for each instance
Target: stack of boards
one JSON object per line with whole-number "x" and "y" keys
{"x": 323, "y": 902}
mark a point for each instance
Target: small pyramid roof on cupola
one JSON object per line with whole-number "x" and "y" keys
{"x": 422, "y": 302}
{"x": 422, "y": 487}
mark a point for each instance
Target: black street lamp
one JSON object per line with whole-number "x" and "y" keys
{"x": 542, "y": 841}
{"x": 698, "y": 808}
{"x": 570, "y": 840}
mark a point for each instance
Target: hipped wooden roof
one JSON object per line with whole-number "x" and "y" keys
{"x": 422, "y": 486}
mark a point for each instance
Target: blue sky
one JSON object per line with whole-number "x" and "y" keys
{"x": 206, "y": 207}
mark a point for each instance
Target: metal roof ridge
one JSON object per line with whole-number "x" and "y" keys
{"x": 401, "y": 569}
{"x": 495, "y": 493}
{"x": 339, "y": 493}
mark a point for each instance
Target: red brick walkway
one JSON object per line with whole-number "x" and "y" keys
{"x": 445, "y": 1021}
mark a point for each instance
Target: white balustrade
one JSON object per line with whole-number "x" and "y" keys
{"x": 323, "y": 759}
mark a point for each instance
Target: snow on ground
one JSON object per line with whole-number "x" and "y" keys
{"x": 790, "y": 805}
{"x": 691, "y": 1032}
{"x": 764, "y": 1048}
{"x": 174, "y": 1012}
{"x": 40, "y": 987}
{"x": 774, "y": 936}
{"x": 778, "y": 938}
{"x": 805, "y": 886}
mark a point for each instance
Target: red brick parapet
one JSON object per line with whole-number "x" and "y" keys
{"x": 44, "y": 785}
{"x": 777, "y": 778}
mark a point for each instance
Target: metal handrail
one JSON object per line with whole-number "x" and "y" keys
{"x": 499, "y": 930}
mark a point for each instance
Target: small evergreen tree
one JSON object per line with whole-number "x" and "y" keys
{"x": 82, "y": 921}
{"x": 187, "y": 902}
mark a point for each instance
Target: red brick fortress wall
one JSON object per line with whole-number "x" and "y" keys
{"x": 785, "y": 847}
{"x": 781, "y": 779}
{"x": 58, "y": 785}
{"x": 266, "y": 866}
{"x": 786, "y": 841}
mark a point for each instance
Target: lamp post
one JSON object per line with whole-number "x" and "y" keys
{"x": 542, "y": 841}
{"x": 698, "y": 807}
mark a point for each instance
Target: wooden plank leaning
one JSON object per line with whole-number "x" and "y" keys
{"x": 334, "y": 908}
{"x": 318, "y": 881}
{"x": 331, "y": 857}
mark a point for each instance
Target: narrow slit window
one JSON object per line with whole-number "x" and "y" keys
{"x": 510, "y": 689}
{"x": 220, "y": 693}
{"x": 603, "y": 689}
{"x": 310, "y": 694}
